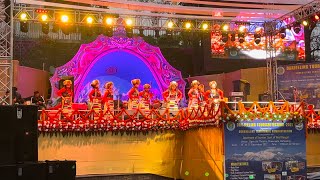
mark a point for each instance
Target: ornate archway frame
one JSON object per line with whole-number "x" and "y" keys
{"x": 90, "y": 53}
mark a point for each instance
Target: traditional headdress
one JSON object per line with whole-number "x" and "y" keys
{"x": 194, "y": 82}
{"x": 212, "y": 82}
{"x": 173, "y": 83}
{"x": 146, "y": 86}
{"x": 108, "y": 85}
{"x": 94, "y": 83}
{"x": 67, "y": 82}
{"x": 135, "y": 81}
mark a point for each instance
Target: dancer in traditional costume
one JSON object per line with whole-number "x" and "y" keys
{"x": 194, "y": 95}
{"x": 108, "y": 97}
{"x": 201, "y": 95}
{"x": 133, "y": 94}
{"x": 172, "y": 96}
{"x": 145, "y": 97}
{"x": 214, "y": 95}
{"x": 95, "y": 95}
{"x": 66, "y": 94}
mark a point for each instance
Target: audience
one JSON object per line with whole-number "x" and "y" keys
{"x": 38, "y": 100}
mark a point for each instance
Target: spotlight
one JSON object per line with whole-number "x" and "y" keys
{"x": 233, "y": 37}
{"x": 225, "y": 27}
{"x": 242, "y": 28}
{"x": 296, "y": 27}
{"x": 225, "y": 37}
{"x": 241, "y": 37}
{"x": 89, "y": 20}
{"x": 129, "y": 22}
{"x": 282, "y": 33}
{"x": 205, "y": 26}
{"x": 305, "y": 23}
{"x": 23, "y": 16}
{"x": 44, "y": 17}
{"x": 188, "y": 25}
{"x": 170, "y": 24}
{"x": 316, "y": 17}
{"x": 257, "y": 38}
{"x": 64, "y": 18}
{"x": 109, "y": 21}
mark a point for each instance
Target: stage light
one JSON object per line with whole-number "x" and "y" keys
{"x": 305, "y": 23}
{"x": 242, "y": 28}
{"x": 188, "y": 25}
{"x": 170, "y": 24}
{"x": 23, "y": 16}
{"x": 89, "y": 20}
{"x": 129, "y": 22}
{"x": 64, "y": 18}
{"x": 257, "y": 38}
{"x": 241, "y": 37}
{"x": 296, "y": 27}
{"x": 282, "y": 33}
{"x": 225, "y": 37}
{"x": 205, "y": 26}
{"x": 316, "y": 17}
{"x": 109, "y": 21}
{"x": 225, "y": 27}
{"x": 44, "y": 17}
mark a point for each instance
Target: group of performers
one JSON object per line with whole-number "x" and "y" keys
{"x": 198, "y": 97}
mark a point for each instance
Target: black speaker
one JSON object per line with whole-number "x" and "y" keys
{"x": 241, "y": 86}
{"x": 18, "y": 134}
{"x": 24, "y": 171}
{"x": 62, "y": 170}
{"x": 265, "y": 97}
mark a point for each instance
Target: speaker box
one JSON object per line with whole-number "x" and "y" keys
{"x": 25, "y": 171}
{"x": 241, "y": 86}
{"x": 18, "y": 134}
{"x": 62, "y": 170}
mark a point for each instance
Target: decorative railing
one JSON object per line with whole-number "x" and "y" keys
{"x": 123, "y": 120}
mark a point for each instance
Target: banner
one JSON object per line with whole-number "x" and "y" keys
{"x": 300, "y": 82}
{"x": 266, "y": 150}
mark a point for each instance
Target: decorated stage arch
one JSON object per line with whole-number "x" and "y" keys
{"x": 118, "y": 59}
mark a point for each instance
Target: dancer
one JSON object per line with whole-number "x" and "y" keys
{"x": 194, "y": 95}
{"x": 172, "y": 96}
{"x": 95, "y": 96}
{"x": 201, "y": 95}
{"x": 108, "y": 96}
{"x": 214, "y": 95}
{"x": 134, "y": 94}
{"x": 66, "y": 94}
{"x": 145, "y": 97}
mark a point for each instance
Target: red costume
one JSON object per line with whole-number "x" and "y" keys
{"x": 194, "y": 95}
{"x": 172, "y": 95}
{"x": 146, "y": 96}
{"x": 133, "y": 94}
{"x": 66, "y": 93}
{"x": 210, "y": 94}
{"x": 95, "y": 94}
{"x": 108, "y": 95}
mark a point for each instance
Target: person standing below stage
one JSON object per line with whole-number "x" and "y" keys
{"x": 194, "y": 95}
{"x": 38, "y": 100}
{"x": 108, "y": 96}
{"x": 145, "y": 97}
{"x": 134, "y": 94}
{"x": 214, "y": 95}
{"x": 66, "y": 94}
{"x": 95, "y": 95}
{"x": 172, "y": 96}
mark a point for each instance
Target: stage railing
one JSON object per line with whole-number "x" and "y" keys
{"x": 70, "y": 120}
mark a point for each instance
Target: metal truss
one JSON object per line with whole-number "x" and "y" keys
{"x": 6, "y": 51}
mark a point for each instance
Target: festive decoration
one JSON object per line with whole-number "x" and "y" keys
{"x": 158, "y": 120}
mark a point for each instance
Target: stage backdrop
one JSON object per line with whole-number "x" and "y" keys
{"x": 305, "y": 78}
{"x": 262, "y": 149}
{"x": 118, "y": 59}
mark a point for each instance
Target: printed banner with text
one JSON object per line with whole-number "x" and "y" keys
{"x": 265, "y": 150}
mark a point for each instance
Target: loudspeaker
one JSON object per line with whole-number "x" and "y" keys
{"x": 62, "y": 170}
{"x": 241, "y": 86}
{"x": 18, "y": 134}
{"x": 25, "y": 171}
{"x": 265, "y": 97}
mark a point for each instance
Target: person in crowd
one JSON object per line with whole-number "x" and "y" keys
{"x": 172, "y": 95}
{"x": 108, "y": 96}
{"x": 134, "y": 94}
{"x": 95, "y": 96}
{"x": 38, "y": 100}
{"x": 194, "y": 95}
{"x": 145, "y": 97}
{"x": 66, "y": 94}
{"x": 214, "y": 95}
{"x": 16, "y": 96}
